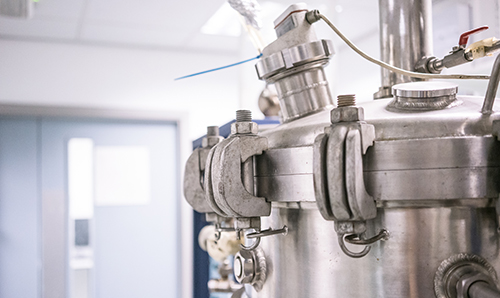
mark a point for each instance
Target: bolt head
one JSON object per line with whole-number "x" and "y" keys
{"x": 244, "y": 128}
{"x": 347, "y": 114}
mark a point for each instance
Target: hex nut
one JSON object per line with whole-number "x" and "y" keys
{"x": 211, "y": 141}
{"x": 244, "y": 128}
{"x": 347, "y": 114}
{"x": 244, "y": 267}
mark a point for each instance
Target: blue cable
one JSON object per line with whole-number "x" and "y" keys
{"x": 218, "y": 68}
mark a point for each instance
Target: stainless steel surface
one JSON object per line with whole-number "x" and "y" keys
{"x": 491, "y": 92}
{"x": 428, "y": 178}
{"x": 424, "y": 96}
{"x": 425, "y": 89}
{"x": 229, "y": 171}
{"x": 194, "y": 191}
{"x": 403, "y": 266}
{"x": 294, "y": 63}
{"x": 268, "y": 232}
{"x": 457, "y": 273}
{"x": 303, "y": 93}
{"x": 250, "y": 267}
{"x": 483, "y": 290}
{"x": 269, "y": 103}
{"x": 405, "y": 36}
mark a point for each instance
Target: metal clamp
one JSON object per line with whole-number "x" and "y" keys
{"x": 338, "y": 173}
{"x": 194, "y": 173}
{"x": 226, "y": 193}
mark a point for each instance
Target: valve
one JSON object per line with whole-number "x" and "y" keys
{"x": 464, "y": 38}
{"x": 460, "y": 54}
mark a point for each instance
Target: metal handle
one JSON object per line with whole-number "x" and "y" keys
{"x": 268, "y": 232}
{"x": 464, "y": 38}
{"x": 356, "y": 240}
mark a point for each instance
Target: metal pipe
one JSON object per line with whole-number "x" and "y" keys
{"x": 405, "y": 37}
{"x": 491, "y": 92}
{"x": 483, "y": 290}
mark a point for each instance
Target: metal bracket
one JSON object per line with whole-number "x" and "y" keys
{"x": 339, "y": 185}
{"x": 225, "y": 191}
{"x": 193, "y": 179}
{"x": 338, "y": 172}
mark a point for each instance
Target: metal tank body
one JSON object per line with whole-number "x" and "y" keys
{"x": 440, "y": 203}
{"x": 396, "y": 197}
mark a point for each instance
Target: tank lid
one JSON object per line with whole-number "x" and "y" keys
{"x": 425, "y": 89}
{"x": 423, "y": 96}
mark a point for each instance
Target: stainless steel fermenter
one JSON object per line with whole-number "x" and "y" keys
{"x": 396, "y": 197}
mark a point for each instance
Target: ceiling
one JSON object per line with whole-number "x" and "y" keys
{"x": 167, "y": 24}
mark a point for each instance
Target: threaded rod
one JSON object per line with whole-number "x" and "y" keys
{"x": 243, "y": 116}
{"x": 346, "y": 100}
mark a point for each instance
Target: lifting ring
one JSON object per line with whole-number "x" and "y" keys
{"x": 252, "y": 246}
{"x": 351, "y": 254}
{"x": 355, "y": 239}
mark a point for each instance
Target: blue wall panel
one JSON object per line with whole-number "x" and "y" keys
{"x": 19, "y": 215}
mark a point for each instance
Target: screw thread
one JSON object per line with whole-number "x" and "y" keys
{"x": 212, "y": 131}
{"x": 243, "y": 116}
{"x": 346, "y": 100}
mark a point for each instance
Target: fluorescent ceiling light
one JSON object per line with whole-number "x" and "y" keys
{"x": 223, "y": 22}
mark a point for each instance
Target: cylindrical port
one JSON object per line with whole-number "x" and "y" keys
{"x": 482, "y": 289}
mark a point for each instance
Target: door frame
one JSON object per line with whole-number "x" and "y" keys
{"x": 180, "y": 118}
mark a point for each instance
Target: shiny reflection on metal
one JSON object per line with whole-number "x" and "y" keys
{"x": 445, "y": 184}
{"x": 483, "y": 290}
{"x": 423, "y": 96}
{"x": 355, "y": 239}
{"x": 269, "y": 103}
{"x": 448, "y": 168}
{"x": 219, "y": 230}
{"x": 294, "y": 63}
{"x": 348, "y": 252}
{"x": 303, "y": 93}
{"x": 252, "y": 246}
{"x": 438, "y": 153}
{"x": 421, "y": 238}
{"x": 269, "y": 232}
{"x": 425, "y": 89}
{"x": 455, "y": 271}
{"x": 491, "y": 92}
{"x": 292, "y": 57}
{"x": 405, "y": 36}
{"x": 250, "y": 267}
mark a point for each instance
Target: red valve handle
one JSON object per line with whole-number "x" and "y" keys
{"x": 465, "y": 36}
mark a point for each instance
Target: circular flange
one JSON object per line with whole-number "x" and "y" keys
{"x": 292, "y": 57}
{"x": 423, "y": 96}
{"x": 457, "y": 266}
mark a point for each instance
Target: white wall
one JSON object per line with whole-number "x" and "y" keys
{"x": 95, "y": 76}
